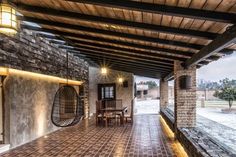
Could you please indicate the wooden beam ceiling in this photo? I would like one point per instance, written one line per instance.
(106, 32)
(117, 22)
(110, 60)
(164, 9)
(114, 49)
(227, 38)
(127, 57)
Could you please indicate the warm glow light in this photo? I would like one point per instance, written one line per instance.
(8, 21)
(176, 146)
(120, 80)
(7, 71)
(104, 71)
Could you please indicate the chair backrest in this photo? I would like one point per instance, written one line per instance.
(98, 106)
(110, 103)
(132, 108)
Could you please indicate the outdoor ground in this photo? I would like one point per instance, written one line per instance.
(146, 107)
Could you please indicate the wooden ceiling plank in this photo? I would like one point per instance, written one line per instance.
(111, 33)
(165, 9)
(118, 22)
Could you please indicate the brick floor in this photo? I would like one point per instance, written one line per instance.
(146, 137)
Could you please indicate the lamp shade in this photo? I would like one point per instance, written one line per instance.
(8, 21)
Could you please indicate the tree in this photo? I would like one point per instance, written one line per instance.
(151, 84)
(227, 91)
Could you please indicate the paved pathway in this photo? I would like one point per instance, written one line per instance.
(147, 107)
(146, 137)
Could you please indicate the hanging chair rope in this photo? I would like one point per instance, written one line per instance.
(67, 109)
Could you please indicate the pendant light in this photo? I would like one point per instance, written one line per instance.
(8, 20)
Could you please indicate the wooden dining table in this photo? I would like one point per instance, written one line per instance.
(122, 110)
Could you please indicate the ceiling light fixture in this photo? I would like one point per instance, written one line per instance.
(8, 21)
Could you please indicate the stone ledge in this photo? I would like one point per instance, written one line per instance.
(196, 142)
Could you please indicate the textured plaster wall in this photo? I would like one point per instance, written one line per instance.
(126, 94)
(28, 102)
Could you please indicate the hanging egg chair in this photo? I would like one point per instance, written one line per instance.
(67, 109)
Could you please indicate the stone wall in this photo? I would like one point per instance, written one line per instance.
(126, 94)
(28, 99)
(185, 99)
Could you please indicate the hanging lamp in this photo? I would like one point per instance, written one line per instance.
(67, 109)
(8, 20)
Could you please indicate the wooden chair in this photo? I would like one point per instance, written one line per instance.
(131, 115)
(110, 116)
(98, 112)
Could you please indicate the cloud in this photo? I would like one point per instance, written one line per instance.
(218, 70)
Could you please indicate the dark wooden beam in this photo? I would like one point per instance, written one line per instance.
(127, 66)
(131, 45)
(131, 61)
(109, 33)
(169, 77)
(222, 41)
(125, 57)
(116, 22)
(137, 72)
(162, 51)
(102, 32)
(164, 9)
(101, 47)
(120, 54)
(110, 61)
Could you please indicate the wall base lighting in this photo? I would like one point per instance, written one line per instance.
(7, 71)
(8, 21)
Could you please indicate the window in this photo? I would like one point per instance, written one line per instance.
(106, 91)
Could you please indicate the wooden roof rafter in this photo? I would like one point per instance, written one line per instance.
(164, 9)
(120, 60)
(142, 39)
(111, 21)
(106, 32)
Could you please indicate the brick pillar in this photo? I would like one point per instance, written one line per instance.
(185, 100)
(163, 94)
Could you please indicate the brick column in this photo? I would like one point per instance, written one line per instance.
(185, 100)
(163, 94)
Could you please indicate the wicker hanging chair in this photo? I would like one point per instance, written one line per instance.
(67, 109)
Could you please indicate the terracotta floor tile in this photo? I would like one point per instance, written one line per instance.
(146, 137)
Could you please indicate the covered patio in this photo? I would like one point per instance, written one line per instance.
(96, 47)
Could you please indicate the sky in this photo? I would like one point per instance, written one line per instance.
(218, 70)
(215, 71)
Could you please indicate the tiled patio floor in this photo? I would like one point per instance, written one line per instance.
(146, 137)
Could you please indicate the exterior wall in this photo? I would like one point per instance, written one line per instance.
(154, 93)
(95, 78)
(28, 99)
(185, 100)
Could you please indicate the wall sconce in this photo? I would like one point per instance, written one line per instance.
(120, 80)
(8, 21)
(104, 71)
